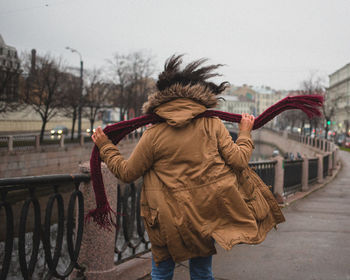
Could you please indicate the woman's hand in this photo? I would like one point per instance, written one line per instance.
(246, 123)
(99, 137)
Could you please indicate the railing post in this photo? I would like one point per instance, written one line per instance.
(81, 140)
(305, 174)
(336, 156)
(279, 179)
(10, 143)
(62, 141)
(97, 247)
(320, 169)
(37, 142)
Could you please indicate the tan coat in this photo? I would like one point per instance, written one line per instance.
(197, 184)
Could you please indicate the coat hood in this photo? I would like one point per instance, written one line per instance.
(179, 112)
(197, 93)
(179, 104)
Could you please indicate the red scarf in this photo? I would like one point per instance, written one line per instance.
(104, 215)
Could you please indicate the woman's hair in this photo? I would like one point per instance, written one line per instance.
(192, 74)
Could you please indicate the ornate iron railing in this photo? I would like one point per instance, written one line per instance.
(20, 196)
(292, 176)
(131, 237)
(28, 142)
(266, 171)
(313, 168)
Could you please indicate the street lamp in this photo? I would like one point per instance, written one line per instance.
(81, 88)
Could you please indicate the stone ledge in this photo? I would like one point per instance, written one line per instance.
(135, 268)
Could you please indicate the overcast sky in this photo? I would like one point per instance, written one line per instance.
(277, 43)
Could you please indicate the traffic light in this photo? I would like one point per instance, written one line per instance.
(328, 122)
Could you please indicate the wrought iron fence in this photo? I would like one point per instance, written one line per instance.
(313, 168)
(4, 141)
(23, 142)
(292, 176)
(325, 165)
(131, 237)
(39, 250)
(266, 171)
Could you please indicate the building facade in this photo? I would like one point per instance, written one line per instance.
(9, 72)
(266, 97)
(339, 92)
(236, 104)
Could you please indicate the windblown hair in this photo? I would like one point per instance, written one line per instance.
(192, 74)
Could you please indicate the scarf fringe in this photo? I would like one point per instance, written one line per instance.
(103, 216)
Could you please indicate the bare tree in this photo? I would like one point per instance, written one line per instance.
(131, 79)
(71, 98)
(119, 67)
(43, 87)
(315, 85)
(9, 87)
(141, 84)
(310, 86)
(97, 95)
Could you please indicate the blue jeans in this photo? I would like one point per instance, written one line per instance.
(200, 269)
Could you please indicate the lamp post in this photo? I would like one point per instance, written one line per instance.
(81, 88)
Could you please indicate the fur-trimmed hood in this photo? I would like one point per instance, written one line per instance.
(197, 93)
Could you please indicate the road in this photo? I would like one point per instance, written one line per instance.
(313, 243)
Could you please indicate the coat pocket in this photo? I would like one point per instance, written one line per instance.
(152, 225)
(150, 215)
(258, 205)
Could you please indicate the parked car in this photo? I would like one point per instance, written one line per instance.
(340, 139)
(59, 130)
(88, 131)
(347, 142)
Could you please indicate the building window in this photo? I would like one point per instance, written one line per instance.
(1, 50)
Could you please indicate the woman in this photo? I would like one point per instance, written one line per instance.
(193, 193)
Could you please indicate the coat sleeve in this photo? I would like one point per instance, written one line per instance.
(237, 155)
(131, 169)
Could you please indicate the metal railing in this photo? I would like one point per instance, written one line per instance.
(313, 169)
(131, 237)
(4, 141)
(27, 142)
(292, 176)
(266, 171)
(39, 250)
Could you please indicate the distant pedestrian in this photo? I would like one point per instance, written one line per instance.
(197, 188)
